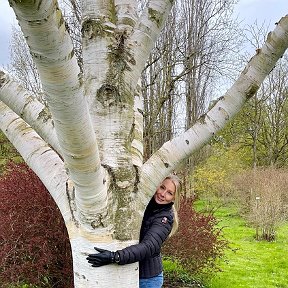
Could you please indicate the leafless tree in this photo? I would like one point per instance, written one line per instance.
(160, 90)
(273, 134)
(267, 113)
(185, 65)
(22, 66)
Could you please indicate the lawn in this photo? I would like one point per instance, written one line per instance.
(249, 263)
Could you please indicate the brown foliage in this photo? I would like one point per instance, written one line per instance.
(33, 238)
(198, 242)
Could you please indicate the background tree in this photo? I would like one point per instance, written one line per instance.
(159, 89)
(90, 157)
(201, 40)
(196, 46)
(273, 134)
(22, 66)
(261, 128)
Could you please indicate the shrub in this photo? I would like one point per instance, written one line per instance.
(198, 242)
(34, 242)
(7, 151)
(212, 179)
(262, 195)
(176, 276)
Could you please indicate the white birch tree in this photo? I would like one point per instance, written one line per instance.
(87, 147)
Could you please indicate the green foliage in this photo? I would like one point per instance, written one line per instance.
(261, 128)
(212, 178)
(176, 276)
(7, 153)
(237, 131)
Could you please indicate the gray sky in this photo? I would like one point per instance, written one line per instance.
(249, 11)
(7, 18)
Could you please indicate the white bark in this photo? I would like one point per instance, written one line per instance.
(97, 27)
(121, 276)
(144, 36)
(39, 156)
(126, 13)
(137, 142)
(29, 108)
(51, 47)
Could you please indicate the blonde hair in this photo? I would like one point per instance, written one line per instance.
(176, 206)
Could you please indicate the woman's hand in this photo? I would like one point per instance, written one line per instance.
(104, 257)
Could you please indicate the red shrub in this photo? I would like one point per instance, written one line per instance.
(33, 238)
(198, 242)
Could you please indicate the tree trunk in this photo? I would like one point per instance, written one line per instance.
(107, 276)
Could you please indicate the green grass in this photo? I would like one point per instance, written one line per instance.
(249, 263)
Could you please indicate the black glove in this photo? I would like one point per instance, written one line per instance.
(104, 257)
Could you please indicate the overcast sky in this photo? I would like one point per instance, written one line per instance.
(249, 11)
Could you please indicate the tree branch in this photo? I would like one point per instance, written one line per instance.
(29, 109)
(166, 159)
(39, 156)
(51, 47)
(126, 13)
(145, 34)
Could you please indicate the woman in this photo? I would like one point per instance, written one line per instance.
(160, 220)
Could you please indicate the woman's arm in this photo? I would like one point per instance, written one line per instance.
(151, 242)
(149, 246)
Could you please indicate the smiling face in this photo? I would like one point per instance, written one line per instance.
(165, 193)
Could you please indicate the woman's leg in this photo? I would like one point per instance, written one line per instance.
(153, 282)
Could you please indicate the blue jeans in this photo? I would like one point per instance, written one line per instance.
(153, 282)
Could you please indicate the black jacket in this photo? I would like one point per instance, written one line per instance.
(156, 226)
